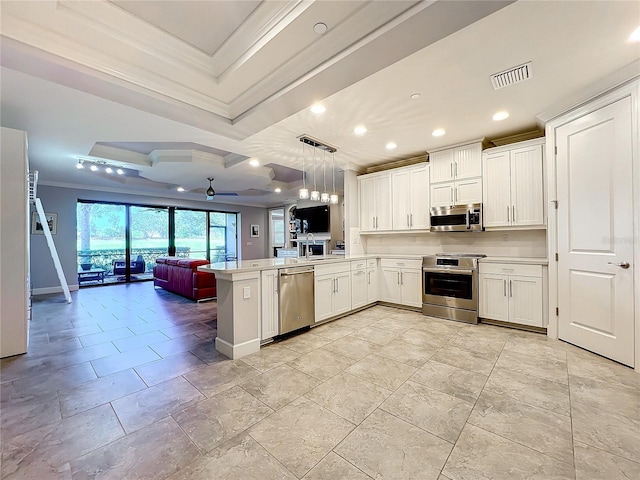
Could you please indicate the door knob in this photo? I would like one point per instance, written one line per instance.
(624, 265)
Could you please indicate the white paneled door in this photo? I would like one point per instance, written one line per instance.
(595, 231)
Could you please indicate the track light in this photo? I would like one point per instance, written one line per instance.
(94, 168)
(79, 165)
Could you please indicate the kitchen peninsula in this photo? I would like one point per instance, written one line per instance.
(248, 293)
(249, 298)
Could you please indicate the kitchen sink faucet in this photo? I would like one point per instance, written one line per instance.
(314, 242)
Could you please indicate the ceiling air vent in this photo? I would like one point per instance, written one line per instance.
(513, 75)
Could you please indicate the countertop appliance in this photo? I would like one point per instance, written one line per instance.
(450, 286)
(296, 298)
(457, 218)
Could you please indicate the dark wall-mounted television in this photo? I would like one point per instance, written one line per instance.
(313, 219)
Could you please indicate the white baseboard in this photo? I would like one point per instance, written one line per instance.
(239, 350)
(48, 290)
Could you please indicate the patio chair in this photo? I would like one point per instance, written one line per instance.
(137, 266)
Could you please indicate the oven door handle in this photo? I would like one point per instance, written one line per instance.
(448, 270)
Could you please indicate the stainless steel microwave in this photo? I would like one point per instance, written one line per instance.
(457, 218)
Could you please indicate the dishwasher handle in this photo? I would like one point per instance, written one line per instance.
(284, 273)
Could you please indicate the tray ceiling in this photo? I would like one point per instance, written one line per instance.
(183, 90)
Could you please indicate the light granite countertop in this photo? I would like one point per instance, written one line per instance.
(284, 262)
(519, 260)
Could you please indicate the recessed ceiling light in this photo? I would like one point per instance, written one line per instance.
(635, 35)
(180, 189)
(360, 130)
(254, 162)
(320, 28)
(414, 96)
(108, 170)
(318, 108)
(120, 171)
(390, 146)
(438, 132)
(94, 168)
(501, 115)
(278, 190)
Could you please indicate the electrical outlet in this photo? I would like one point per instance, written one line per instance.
(246, 292)
(505, 237)
(249, 243)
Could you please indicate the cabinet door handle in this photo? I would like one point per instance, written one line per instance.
(455, 170)
(513, 213)
(505, 287)
(511, 288)
(408, 220)
(451, 195)
(398, 280)
(508, 214)
(401, 279)
(451, 170)
(369, 278)
(456, 195)
(411, 219)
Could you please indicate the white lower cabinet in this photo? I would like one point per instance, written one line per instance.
(332, 290)
(364, 282)
(269, 304)
(359, 284)
(373, 281)
(511, 293)
(401, 282)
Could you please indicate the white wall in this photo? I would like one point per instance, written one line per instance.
(63, 201)
(521, 243)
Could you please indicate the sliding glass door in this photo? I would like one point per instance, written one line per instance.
(101, 241)
(149, 239)
(120, 242)
(191, 233)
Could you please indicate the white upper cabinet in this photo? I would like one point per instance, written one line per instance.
(456, 163)
(527, 186)
(467, 161)
(401, 193)
(468, 191)
(410, 198)
(513, 188)
(497, 188)
(375, 202)
(456, 175)
(441, 166)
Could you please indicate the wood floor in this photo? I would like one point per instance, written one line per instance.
(125, 383)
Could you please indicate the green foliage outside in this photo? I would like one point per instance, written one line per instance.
(101, 234)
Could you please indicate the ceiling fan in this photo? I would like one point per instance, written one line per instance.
(210, 193)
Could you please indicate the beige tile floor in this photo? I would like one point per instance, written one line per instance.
(125, 383)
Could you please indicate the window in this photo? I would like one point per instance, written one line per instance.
(120, 242)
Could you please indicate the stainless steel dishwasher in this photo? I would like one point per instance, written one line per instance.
(297, 307)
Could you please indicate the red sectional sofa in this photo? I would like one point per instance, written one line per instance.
(180, 275)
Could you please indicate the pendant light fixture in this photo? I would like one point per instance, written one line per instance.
(303, 194)
(210, 191)
(333, 199)
(315, 194)
(324, 197)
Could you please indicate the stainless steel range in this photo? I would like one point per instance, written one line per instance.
(450, 286)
